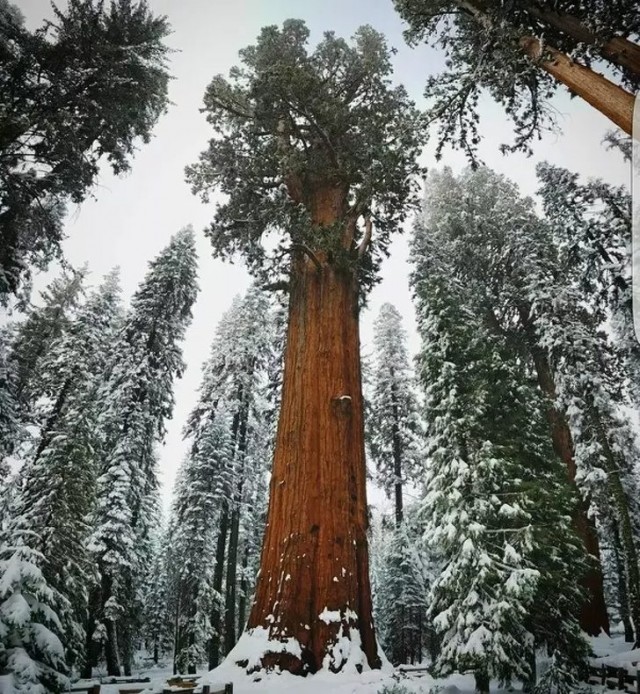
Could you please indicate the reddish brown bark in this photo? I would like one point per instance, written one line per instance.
(608, 98)
(617, 49)
(593, 617)
(314, 555)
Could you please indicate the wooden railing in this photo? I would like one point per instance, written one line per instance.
(619, 679)
(186, 685)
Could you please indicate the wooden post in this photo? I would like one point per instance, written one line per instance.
(604, 676)
(228, 688)
(206, 689)
(638, 680)
(622, 675)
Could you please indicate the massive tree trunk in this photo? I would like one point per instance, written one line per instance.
(313, 592)
(593, 617)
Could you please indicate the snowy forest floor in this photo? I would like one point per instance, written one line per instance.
(607, 651)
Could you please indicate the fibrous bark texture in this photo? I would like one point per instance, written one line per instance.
(313, 597)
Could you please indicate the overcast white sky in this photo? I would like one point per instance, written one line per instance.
(131, 218)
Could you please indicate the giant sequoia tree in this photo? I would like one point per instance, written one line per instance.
(318, 148)
(521, 52)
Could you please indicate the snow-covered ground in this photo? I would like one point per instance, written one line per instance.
(616, 653)
(609, 651)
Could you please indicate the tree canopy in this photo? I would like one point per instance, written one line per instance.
(88, 85)
(483, 44)
(291, 124)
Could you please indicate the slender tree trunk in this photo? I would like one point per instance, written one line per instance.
(91, 647)
(231, 586)
(611, 100)
(623, 593)
(176, 635)
(244, 587)
(111, 649)
(240, 433)
(112, 654)
(397, 453)
(482, 681)
(623, 517)
(314, 573)
(127, 652)
(218, 575)
(593, 616)
(191, 666)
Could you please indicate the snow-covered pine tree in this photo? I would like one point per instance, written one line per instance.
(402, 585)
(511, 272)
(591, 225)
(588, 381)
(158, 616)
(394, 426)
(497, 504)
(31, 649)
(202, 485)
(43, 325)
(137, 398)
(575, 293)
(10, 422)
(394, 437)
(56, 486)
(227, 458)
(87, 86)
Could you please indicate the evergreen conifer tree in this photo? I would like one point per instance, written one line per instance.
(510, 574)
(137, 398)
(87, 86)
(55, 493)
(229, 436)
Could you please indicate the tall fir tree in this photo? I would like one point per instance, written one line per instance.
(137, 399)
(395, 438)
(228, 431)
(395, 427)
(510, 579)
(44, 541)
(86, 86)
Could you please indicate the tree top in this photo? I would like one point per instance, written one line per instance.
(293, 128)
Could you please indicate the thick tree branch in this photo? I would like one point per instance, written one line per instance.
(308, 252)
(366, 239)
